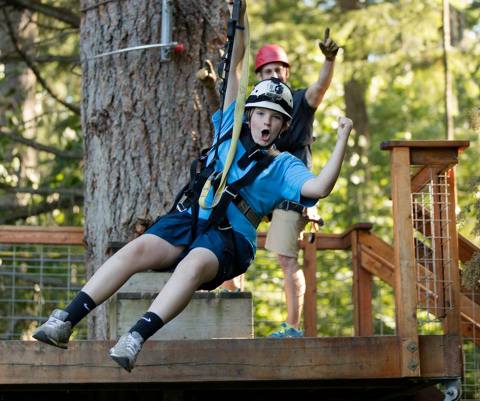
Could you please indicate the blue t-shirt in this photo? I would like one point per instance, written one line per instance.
(282, 179)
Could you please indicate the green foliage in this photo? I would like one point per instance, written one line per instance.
(471, 273)
(394, 50)
(31, 112)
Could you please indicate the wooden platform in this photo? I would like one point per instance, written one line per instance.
(209, 314)
(307, 365)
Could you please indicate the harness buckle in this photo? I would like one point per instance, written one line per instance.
(230, 193)
(225, 228)
(289, 205)
(180, 207)
(254, 153)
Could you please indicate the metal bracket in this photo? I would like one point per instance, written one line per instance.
(166, 38)
(166, 29)
(453, 390)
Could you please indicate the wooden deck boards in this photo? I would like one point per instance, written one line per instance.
(227, 361)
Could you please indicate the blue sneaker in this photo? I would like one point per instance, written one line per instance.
(286, 331)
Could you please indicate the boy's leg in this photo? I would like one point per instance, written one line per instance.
(143, 253)
(198, 267)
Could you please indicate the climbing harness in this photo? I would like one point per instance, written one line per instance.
(200, 172)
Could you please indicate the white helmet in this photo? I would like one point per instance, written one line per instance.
(272, 94)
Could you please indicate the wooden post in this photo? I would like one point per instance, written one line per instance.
(362, 291)
(452, 321)
(404, 257)
(310, 271)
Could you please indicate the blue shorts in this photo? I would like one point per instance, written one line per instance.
(232, 250)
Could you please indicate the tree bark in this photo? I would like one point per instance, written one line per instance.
(447, 73)
(143, 121)
(17, 98)
(355, 90)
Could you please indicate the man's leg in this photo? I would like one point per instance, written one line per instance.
(282, 238)
(294, 285)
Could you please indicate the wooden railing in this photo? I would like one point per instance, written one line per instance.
(371, 256)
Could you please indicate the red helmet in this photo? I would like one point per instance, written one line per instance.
(270, 54)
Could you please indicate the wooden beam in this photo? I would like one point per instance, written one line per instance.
(310, 300)
(439, 157)
(41, 235)
(466, 248)
(378, 267)
(378, 246)
(447, 361)
(460, 145)
(362, 292)
(470, 311)
(404, 259)
(423, 177)
(431, 153)
(342, 240)
(225, 360)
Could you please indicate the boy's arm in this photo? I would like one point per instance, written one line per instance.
(316, 91)
(323, 183)
(237, 58)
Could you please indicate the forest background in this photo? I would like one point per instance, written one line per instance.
(389, 78)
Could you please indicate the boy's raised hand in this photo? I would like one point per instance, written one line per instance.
(328, 46)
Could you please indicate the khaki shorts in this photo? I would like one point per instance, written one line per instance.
(284, 231)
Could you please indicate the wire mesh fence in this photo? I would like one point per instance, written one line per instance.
(434, 263)
(471, 350)
(34, 280)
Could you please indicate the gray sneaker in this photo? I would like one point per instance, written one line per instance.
(125, 351)
(55, 331)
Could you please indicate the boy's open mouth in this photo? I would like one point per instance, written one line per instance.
(265, 135)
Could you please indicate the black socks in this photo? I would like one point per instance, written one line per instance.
(80, 307)
(147, 325)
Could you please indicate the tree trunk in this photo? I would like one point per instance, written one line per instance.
(143, 120)
(17, 102)
(447, 73)
(17, 98)
(356, 108)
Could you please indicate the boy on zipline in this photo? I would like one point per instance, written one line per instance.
(209, 244)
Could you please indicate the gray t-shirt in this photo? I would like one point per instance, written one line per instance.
(299, 137)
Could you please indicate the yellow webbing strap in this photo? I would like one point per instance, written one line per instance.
(237, 126)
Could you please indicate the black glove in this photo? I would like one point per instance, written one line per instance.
(328, 46)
